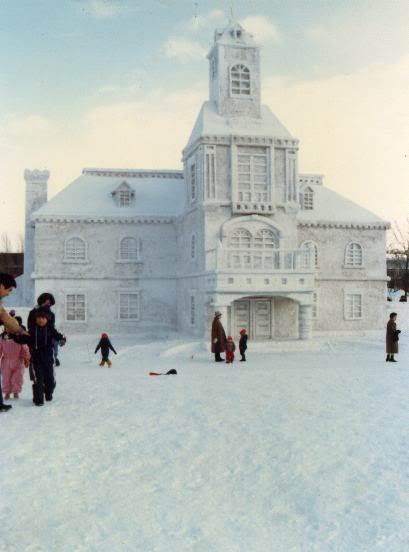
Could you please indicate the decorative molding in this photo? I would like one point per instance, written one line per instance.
(362, 226)
(103, 220)
(135, 173)
(310, 179)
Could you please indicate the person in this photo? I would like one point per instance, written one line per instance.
(45, 301)
(218, 337)
(230, 348)
(14, 357)
(243, 344)
(105, 345)
(7, 284)
(392, 338)
(40, 342)
(12, 313)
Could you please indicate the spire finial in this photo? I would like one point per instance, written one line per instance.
(232, 11)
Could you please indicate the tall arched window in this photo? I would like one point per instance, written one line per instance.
(240, 80)
(311, 259)
(239, 244)
(353, 254)
(308, 199)
(75, 249)
(128, 249)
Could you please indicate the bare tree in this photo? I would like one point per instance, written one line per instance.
(5, 243)
(20, 243)
(398, 249)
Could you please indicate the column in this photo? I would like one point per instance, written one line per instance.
(305, 321)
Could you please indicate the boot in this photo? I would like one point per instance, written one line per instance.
(109, 363)
(102, 363)
(16, 395)
(5, 407)
(392, 359)
(388, 358)
(57, 362)
(7, 396)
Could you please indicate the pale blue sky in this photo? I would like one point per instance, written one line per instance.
(79, 78)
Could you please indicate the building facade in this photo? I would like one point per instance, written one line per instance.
(238, 230)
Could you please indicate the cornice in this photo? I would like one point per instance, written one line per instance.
(362, 226)
(240, 139)
(134, 173)
(104, 220)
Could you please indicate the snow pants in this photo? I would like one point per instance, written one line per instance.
(12, 373)
(229, 356)
(44, 381)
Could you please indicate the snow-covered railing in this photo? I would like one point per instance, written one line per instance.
(265, 260)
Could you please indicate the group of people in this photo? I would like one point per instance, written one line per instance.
(222, 344)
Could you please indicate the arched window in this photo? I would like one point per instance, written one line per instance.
(308, 199)
(128, 249)
(75, 249)
(353, 254)
(193, 246)
(258, 251)
(311, 258)
(240, 80)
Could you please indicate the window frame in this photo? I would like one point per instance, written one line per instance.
(76, 260)
(349, 294)
(305, 245)
(238, 78)
(128, 292)
(346, 253)
(76, 293)
(137, 259)
(307, 199)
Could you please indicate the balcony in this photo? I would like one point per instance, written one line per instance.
(256, 270)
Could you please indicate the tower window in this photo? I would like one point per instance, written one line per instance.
(308, 199)
(240, 80)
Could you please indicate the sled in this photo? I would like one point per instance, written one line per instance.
(168, 373)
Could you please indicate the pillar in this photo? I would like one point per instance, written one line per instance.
(305, 321)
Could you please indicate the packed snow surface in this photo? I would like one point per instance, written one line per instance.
(303, 450)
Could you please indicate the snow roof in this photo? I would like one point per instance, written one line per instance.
(157, 193)
(209, 122)
(331, 207)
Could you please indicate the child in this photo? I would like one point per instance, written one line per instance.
(243, 344)
(40, 342)
(230, 348)
(13, 358)
(104, 344)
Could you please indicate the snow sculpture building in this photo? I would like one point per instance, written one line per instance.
(238, 230)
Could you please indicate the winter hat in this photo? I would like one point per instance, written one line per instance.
(229, 338)
(243, 331)
(104, 335)
(218, 314)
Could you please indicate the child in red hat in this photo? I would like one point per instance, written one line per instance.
(105, 345)
(230, 348)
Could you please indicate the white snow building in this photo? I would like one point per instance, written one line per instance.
(238, 230)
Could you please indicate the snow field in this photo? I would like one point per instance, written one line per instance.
(294, 451)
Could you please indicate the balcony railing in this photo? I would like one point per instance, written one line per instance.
(260, 260)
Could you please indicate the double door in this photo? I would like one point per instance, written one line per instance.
(256, 316)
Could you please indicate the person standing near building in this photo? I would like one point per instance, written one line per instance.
(45, 301)
(392, 338)
(218, 337)
(7, 284)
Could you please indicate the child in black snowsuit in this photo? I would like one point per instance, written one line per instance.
(243, 344)
(105, 345)
(40, 342)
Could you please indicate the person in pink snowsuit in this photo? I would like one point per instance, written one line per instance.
(13, 359)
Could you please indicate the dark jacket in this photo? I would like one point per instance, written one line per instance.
(40, 342)
(31, 320)
(243, 342)
(392, 336)
(104, 344)
(219, 335)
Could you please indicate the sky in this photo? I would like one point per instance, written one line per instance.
(119, 83)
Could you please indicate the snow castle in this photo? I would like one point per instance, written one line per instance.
(238, 230)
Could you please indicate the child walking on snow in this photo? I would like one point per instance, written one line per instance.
(105, 345)
(230, 348)
(243, 344)
(14, 357)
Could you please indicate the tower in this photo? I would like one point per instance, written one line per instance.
(36, 196)
(234, 73)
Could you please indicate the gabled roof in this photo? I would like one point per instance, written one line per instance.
(157, 193)
(210, 123)
(331, 207)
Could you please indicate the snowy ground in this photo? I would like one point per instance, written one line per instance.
(295, 451)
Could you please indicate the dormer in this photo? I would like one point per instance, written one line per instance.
(234, 73)
(124, 195)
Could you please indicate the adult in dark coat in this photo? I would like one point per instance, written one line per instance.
(392, 338)
(218, 337)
